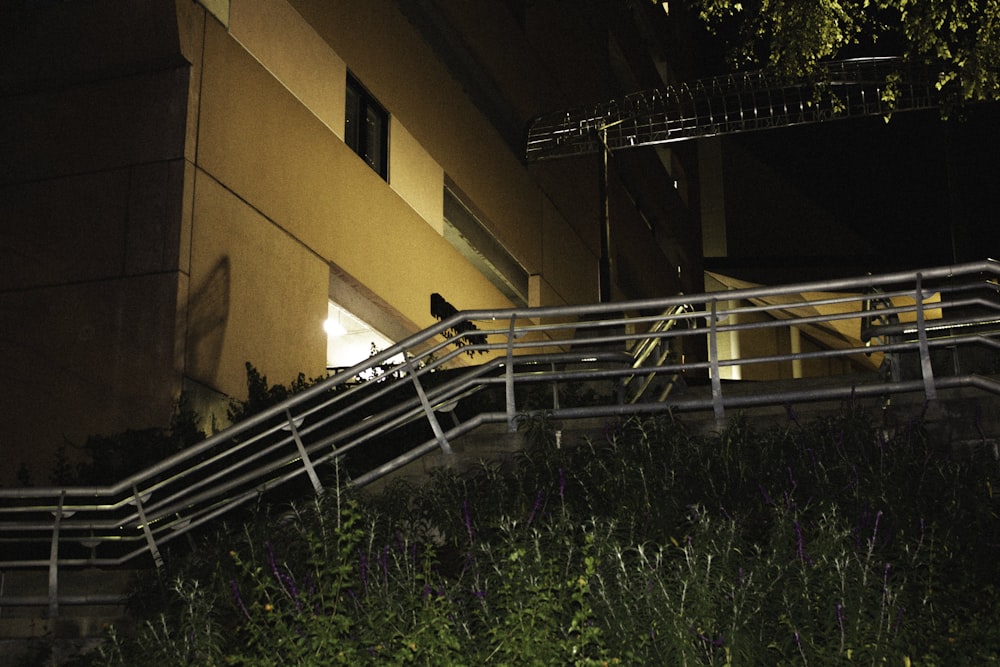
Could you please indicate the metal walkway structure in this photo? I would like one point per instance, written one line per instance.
(915, 333)
(738, 102)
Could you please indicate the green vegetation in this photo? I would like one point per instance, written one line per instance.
(960, 38)
(830, 542)
(105, 459)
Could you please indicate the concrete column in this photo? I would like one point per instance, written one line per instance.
(796, 344)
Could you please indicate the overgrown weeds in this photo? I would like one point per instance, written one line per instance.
(819, 543)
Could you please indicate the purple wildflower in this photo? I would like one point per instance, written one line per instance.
(284, 579)
(383, 562)
(238, 598)
(790, 414)
(271, 560)
(800, 544)
(467, 518)
(289, 584)
(538, 504)
(718, 641)
(363, 568)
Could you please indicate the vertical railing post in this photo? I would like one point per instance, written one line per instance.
(555, 389)
(604, 269)
(713, 359)
(428, 410)
(54, 559)
(306, 461)
(509, 380)
(153, 550)
(927, 371)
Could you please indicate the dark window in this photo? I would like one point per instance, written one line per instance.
(366, 127)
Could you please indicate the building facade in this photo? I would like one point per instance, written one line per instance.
(190, 186)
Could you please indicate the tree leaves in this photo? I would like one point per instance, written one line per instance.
(961, 38)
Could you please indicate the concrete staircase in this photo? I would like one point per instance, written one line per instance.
(31, 635)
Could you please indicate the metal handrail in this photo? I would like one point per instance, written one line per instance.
(529, 360)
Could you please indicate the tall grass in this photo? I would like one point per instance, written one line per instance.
(827, 542)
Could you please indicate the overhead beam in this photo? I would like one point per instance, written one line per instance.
(730, 103)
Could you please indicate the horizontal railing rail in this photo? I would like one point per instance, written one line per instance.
(930, 328)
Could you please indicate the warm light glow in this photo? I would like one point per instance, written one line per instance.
(349, 340)
(333, 327)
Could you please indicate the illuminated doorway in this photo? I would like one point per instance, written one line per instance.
(350, 340)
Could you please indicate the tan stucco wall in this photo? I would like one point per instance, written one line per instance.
(415, 176)
(436, 130)
(303, 186)
(190, 196)
(277, 36)
(289, 48)
(256, 295)
(416, 88)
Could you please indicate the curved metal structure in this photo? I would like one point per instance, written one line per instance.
(738, 102)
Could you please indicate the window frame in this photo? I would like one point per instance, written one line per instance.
(359, 138)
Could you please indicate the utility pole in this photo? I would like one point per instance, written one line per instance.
(604, 289)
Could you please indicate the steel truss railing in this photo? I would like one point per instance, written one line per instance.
(738, 102)
(530, 361)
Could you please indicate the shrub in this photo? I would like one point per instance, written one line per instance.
(818, 543)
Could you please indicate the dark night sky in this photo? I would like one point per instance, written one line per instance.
(899, 184)
(904, 184)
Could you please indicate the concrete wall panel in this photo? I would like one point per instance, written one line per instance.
(415, 176)
(256, 294)
(294, 54)
(94, 226)
(260, 142)
(416, 88)
(60, 43)
(570, 269)
(85, 359)
(64, 230)
(96, 126)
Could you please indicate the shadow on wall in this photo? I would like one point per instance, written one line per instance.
(208, 313)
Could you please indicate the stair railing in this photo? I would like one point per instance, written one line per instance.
(635, 386)
(568, 363)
